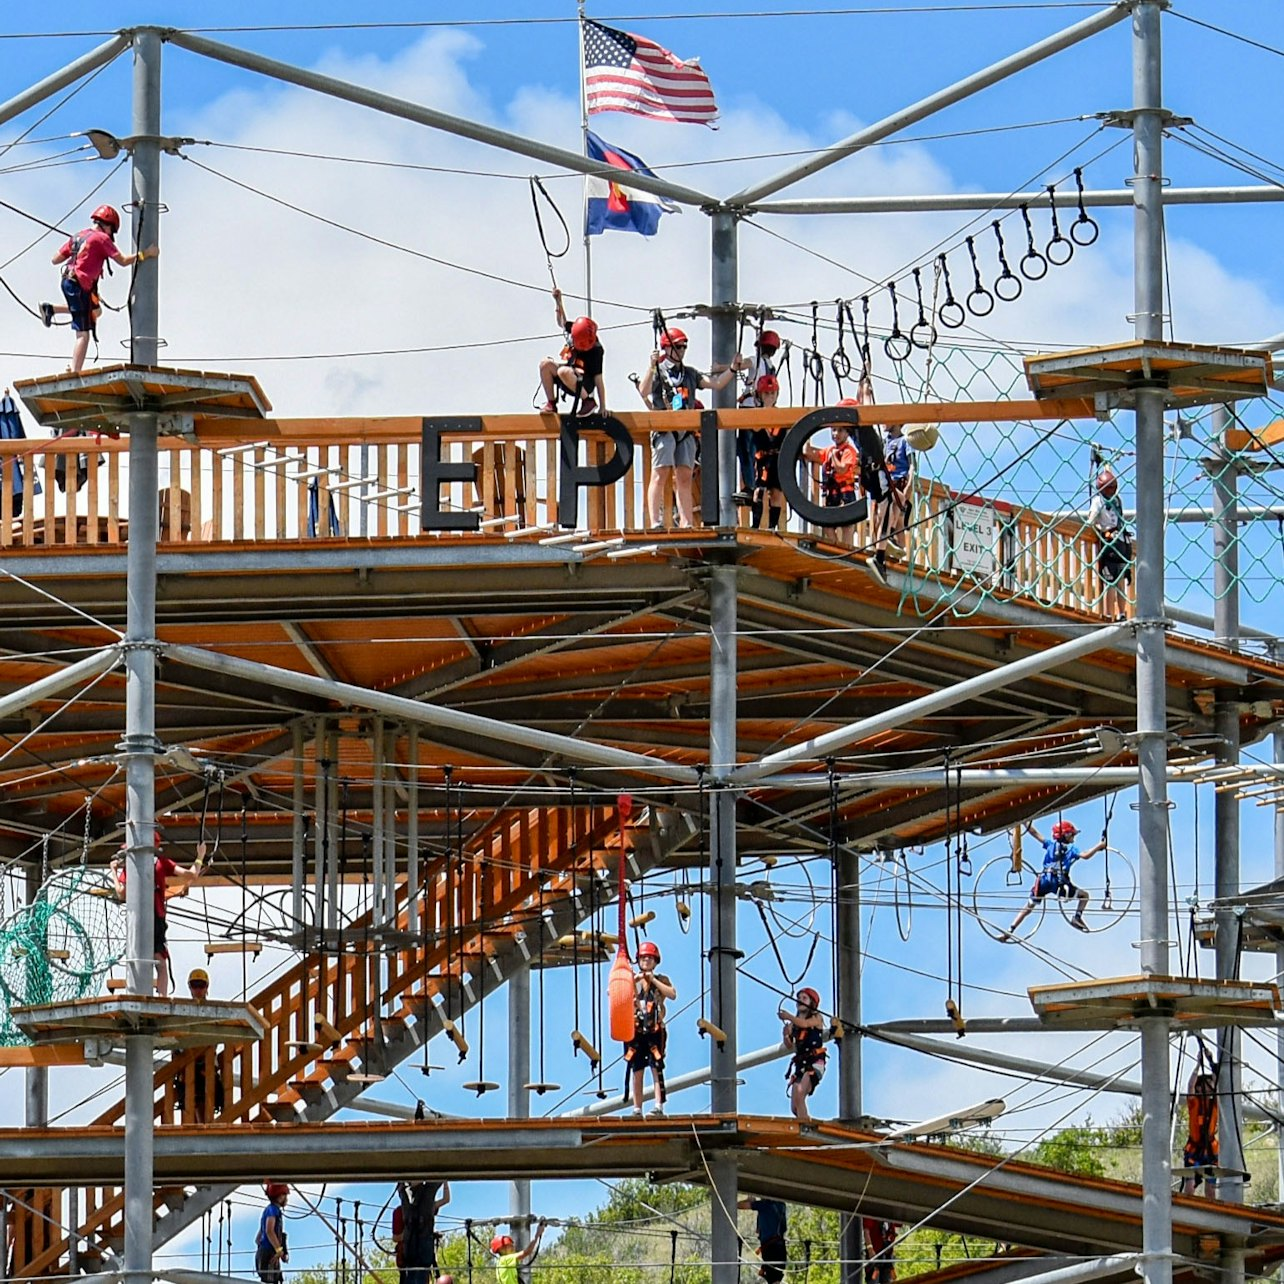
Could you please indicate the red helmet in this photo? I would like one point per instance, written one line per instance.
(1063, 831)
(649, 950)
(671, 336)
(767, 383)
(501, 1244)
(276, 1190)
(768, 340)
(809, 996)
(583, 333)
(1107, 483)
(106, 214)
(849, 401)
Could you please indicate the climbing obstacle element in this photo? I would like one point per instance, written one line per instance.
(59, 947)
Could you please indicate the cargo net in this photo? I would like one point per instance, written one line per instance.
(60, 946)
(1002, 509)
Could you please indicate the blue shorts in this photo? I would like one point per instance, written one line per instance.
(80, 303)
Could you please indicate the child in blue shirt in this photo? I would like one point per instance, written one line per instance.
(1059, 856)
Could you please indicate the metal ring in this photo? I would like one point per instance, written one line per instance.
(1055, 258)
(892, 345)
(951, 314)
(926, 327)
(1032, 257)
(1085, 221)
(976, 309)
(841, 364)
(999, 287)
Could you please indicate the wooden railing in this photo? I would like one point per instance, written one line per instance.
(320, 490)
(471, 909)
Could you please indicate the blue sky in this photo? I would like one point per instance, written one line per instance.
(242, 278)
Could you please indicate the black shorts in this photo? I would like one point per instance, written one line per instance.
(160, 935)
(267, 1266)
(775, 1257)
(769, 472)
(1114, 562)
(645, 1050)
(1045, 886)
(812, 1072)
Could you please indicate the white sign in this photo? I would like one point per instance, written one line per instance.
(974, 539)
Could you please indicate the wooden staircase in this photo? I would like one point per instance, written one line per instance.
(364, 1009)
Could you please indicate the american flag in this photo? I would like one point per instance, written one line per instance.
(629, 73)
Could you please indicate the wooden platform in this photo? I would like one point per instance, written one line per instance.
(1189, 374)
(176, 1023)
(1188, 1002)
(104, 398)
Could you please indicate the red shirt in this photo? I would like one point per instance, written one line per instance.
(842, 462)
(95, 249)
(164, 868)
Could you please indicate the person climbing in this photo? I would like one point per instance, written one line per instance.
(804, 1034)
(1200, 1151)
(1059, 855)
(414, 1228)
(839, 471)
(1114, 545)
(670, 384)
(198, 987)
(647, 1047)
(880, 1249)
(171, 879)
(766, 457)
(85, 255)
(270, 1246)
(892, 512)
(577, 373)
(767, 344)
(509, 1259)
(771, 1227)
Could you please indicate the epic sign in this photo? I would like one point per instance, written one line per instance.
(435, 472)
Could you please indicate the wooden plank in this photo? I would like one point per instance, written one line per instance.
(50, 1054)
(113, 498)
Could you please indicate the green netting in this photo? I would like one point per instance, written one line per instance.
(60, 946)
(1002, 508)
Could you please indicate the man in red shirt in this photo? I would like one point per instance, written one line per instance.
(183, 877)
(85, 255)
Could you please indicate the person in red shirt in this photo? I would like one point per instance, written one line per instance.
(172, 879)
(85, 255)
(839, 472)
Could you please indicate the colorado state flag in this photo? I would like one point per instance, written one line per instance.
(612, 205)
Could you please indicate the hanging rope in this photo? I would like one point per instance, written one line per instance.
(537, 191)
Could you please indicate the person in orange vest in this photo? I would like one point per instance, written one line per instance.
(577, 373)
(651, 989)
(839, 471)
(804, 1034)
(1200, 1150)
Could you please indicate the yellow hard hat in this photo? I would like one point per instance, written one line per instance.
(198, 974)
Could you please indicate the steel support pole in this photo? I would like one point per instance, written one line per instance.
(36, 1078)
(1152, 804)
(140, 743)
(1225, 518)
(62, 78)
(847, 1006)
(1278, 739)
(724, 1098)
(412, 831)
(519, 1097)
(724, 296)
(296, 829)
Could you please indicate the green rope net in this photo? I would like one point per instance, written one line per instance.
(60, 946)
(1002, 509)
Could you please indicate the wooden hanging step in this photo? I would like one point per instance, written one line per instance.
(252, 948)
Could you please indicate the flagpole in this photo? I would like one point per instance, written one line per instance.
(588, 251)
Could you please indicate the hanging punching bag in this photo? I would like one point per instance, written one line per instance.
(620, 989)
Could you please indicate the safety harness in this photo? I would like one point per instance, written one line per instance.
(809, 1049)
(649, 1032)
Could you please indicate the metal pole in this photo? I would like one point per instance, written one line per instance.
(412, 831)
(724, 296)
(1152, 805)
(847, 1005)
(320, 833)
(140, 743)
(1230, 1126)
(1225, 477)
(584, 133)
(724, 1098)
(404, 110)
(1278, 739)
(68, 75)
(333, 890)
(378, 904)
(820, 747)
(519, 1097)
(933, 103)
(36, 1077)
(296, 830)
